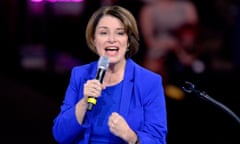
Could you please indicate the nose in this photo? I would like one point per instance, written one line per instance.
(111, 38)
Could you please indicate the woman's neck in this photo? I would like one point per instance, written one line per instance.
(114, 74)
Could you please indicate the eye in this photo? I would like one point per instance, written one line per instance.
(102, 33)
(121, 32)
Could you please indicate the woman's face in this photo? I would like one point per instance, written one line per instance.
(111, 40)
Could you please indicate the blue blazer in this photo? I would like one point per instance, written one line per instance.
(142, 105)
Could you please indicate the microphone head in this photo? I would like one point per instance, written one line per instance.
(188, 87)
(103, 62)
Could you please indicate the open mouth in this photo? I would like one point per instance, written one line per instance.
(111, 51)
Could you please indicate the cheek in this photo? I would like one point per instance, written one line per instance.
(99, 47)
(98, 42)
(124, 42)
(125, 45)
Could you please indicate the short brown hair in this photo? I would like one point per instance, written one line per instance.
(125, 16)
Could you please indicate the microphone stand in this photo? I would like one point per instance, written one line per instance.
(189, 88)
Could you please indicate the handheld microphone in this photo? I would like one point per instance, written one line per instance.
(103, 64)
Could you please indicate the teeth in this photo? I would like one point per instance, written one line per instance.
(112, 49)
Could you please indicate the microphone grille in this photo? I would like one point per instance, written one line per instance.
(103, 62)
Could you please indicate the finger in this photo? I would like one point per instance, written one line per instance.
(97, 88)
(93, 90)
(111, 125)
(115, 114)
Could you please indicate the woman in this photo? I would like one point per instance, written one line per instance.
(130, 101)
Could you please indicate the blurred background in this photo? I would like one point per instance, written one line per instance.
(41, 40)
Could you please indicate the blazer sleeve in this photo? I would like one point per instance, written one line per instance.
(65, 126)
(154, 129)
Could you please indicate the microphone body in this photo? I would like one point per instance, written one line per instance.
(103, 64)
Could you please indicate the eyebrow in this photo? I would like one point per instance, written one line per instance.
(105, 27)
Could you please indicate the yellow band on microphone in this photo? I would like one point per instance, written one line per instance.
(92, 100)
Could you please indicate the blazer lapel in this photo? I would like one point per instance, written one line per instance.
(127, 88)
